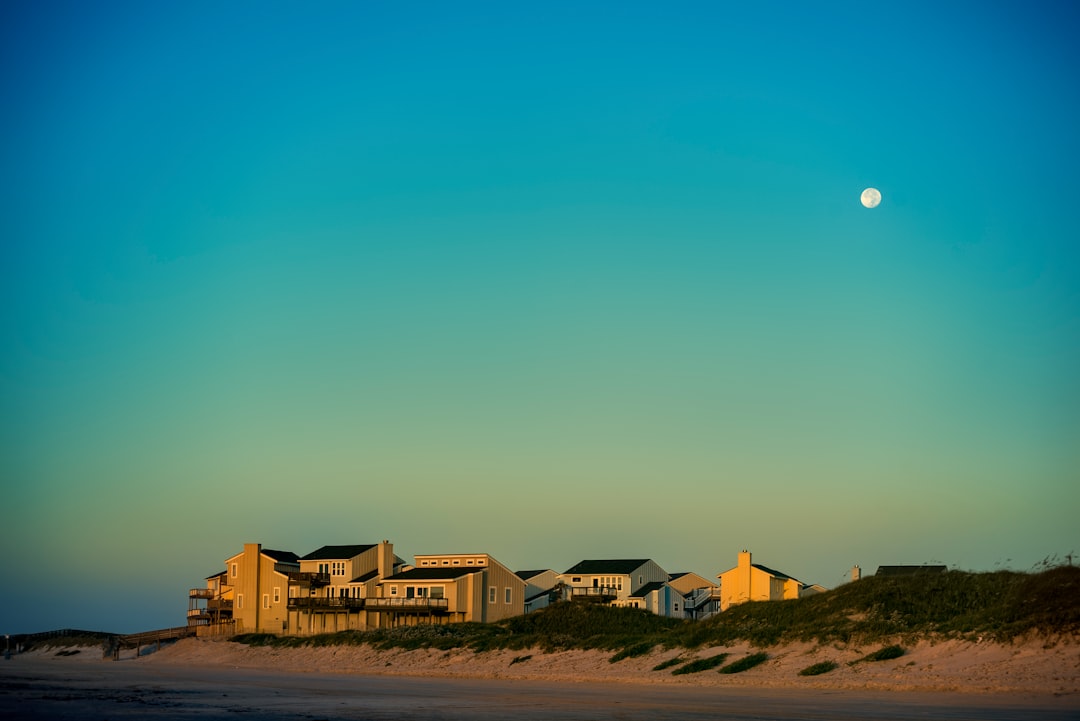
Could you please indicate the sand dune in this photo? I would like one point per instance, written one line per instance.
(1029, 667)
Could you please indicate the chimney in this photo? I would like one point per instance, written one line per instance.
(856, 572)
(386, 559)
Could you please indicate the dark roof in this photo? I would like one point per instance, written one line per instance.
(526, 575)
(328, 553)
(673, 576)
(647, 589)
(908, 570)
(434, 574)
(282, 556)
(366, 577)
(622, 566)
(768, 570)
(215, 575)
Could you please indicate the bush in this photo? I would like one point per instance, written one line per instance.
(746, 663)
(701, 664)
(819, 668)
(668, 664)
(638, 649)
(884, 654)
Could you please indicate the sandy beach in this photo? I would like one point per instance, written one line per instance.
(200, 679)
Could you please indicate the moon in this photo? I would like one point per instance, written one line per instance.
(871, 198)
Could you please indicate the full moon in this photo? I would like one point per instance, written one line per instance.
(871, 197)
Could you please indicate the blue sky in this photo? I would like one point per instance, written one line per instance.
(551, 282)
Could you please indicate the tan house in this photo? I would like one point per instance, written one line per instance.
(540, 587)
(330, 591)
(210, 608)
(753, 582)
(260, 579)
(701, 597)
(450, 588)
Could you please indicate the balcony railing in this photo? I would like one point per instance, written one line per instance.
(594, 591)
(200, 593)
(315, 579)
(219, 604)
(315, 603)
(408, 605)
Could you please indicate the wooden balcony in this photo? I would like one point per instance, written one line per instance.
(308, 577)
(200, 593)
(600, 594)
(419, 605)
(317, 604)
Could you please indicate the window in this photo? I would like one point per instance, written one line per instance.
(509, 595)
(446, 563)
(491, 594)
(393, 590)
(266, 600)
(240, 600)
(437, 591)
(338, 568)
(277, 594)
(233, 569)
(575, 579)
(457, 562)
(469, 562)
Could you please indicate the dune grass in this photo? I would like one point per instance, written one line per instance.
(701, 664)
(746, 663)
(997, 606)
(819, 668)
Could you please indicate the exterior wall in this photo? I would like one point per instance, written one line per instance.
(477, 590)
(747, 583)
(688, 582)
(254, 580)
(624, 584)
(539, 584)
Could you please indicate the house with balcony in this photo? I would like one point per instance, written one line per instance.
(331, 590)
(635, 583)
(701, 597)
(210, 607)
(449, 588)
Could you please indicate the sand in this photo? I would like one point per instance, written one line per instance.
(1029, 667)
(200, 680)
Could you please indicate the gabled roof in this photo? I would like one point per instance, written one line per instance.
(908, 570)
(334, 553)
(366, 577)
(680, 574)
(615, 566)
(215, 575)
(434, 574)
(526, 575)
(772, 572)
(281, 556)
(647, 589)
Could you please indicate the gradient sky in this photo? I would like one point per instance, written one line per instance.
(551, 281)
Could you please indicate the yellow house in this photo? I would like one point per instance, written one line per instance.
(449, 588)
(752, 582)
(260, 578)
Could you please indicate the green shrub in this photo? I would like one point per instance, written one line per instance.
(638, 649)
(520, 659)
(745, 663)
(668, 664)
(701, 664)
(819, 668)
(884, 654)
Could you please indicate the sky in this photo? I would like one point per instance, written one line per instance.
(551, 281)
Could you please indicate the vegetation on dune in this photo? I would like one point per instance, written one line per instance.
(745, 663)
(700, 664)
(884, 654)
(819, 668)
(996, 606)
